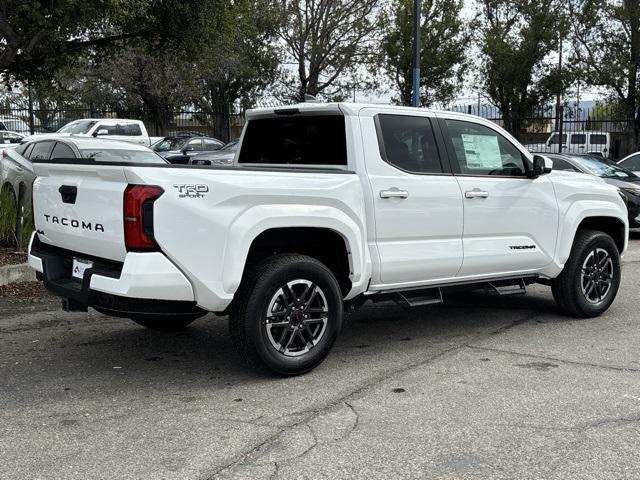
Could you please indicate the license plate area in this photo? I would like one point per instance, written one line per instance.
(79, 266)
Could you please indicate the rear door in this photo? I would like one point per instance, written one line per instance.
(416, 200)
(510, 220)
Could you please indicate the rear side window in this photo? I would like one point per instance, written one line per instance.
(598, 139)
(295, 140)
(632, 163)
(41, 151)
(195, 144)
(211, 144)
(123, 129)
(62, 151)
(555, 137)
(131, 129)
(407, 142)
(578, 139)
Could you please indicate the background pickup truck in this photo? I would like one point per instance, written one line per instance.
(325, 207)
(132, 131)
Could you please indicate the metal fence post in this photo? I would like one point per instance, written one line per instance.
(31, 126)
(22, 190)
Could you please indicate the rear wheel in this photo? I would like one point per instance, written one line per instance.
(164, 323)
(591, 277)
(286, 314)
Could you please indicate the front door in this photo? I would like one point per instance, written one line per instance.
(510, 220)
(416, 201)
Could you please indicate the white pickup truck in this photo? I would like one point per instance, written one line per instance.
(325, 207)
(125, 130)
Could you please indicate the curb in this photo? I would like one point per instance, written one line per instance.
(16, 273)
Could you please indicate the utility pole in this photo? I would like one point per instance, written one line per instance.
(415, 99)
(559, 112)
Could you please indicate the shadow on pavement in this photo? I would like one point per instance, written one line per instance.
(103, 347)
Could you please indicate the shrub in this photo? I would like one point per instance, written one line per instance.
(7, 219)
(8, 213)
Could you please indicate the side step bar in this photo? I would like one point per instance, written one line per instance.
(418, 298)
(506, 288)
(433, 295)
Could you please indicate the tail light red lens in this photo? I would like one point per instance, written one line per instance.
(138, 216)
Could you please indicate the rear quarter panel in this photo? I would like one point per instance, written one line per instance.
(208, 236)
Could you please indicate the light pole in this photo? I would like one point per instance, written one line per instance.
(415, 98)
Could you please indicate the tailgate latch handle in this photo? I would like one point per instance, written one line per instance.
(68, 193)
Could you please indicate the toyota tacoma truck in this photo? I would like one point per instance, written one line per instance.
(326, 206)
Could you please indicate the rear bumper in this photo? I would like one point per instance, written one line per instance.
(144, 276)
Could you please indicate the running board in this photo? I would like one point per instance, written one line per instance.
(418, 298)
(506, 288)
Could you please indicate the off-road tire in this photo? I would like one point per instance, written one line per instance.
(567, 287)
(249, 312)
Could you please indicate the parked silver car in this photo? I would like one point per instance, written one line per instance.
(17, 171)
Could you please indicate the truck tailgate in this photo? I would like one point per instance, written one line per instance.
(80, 208)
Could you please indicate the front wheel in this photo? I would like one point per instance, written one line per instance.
(286, 314)
(591, 277)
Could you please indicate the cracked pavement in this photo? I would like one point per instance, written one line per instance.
(481, 387)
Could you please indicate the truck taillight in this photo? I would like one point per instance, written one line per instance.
(138, 216)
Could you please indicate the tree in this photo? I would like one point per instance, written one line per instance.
(516, 37)
(326, 39)
(444, 39)
(150, 78)
(237, 61)
(606, 37)
(37, 37)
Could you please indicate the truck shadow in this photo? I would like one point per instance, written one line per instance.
(378, 336)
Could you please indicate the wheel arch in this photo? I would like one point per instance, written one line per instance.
(317, 233)
(608, 222)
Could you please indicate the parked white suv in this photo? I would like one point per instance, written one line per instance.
(125, 130)
(326, 206)
(587, 142)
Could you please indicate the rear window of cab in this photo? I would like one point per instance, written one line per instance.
(295, 140)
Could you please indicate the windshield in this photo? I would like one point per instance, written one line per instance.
(122, 156)
(78, 127)
(170, 144)
(603, 167)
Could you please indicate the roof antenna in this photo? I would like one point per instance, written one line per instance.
(310, 98)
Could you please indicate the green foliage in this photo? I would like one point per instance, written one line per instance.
(516, 37)
(7, 219)
(606, 35)
(444, 41)
(327, 41)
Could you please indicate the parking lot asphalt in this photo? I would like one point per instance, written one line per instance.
(481, 387)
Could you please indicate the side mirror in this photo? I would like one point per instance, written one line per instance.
(541, 166)
(102, 131)
(187, 149)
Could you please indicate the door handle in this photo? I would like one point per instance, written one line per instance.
(476, 193)
(394, 193)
